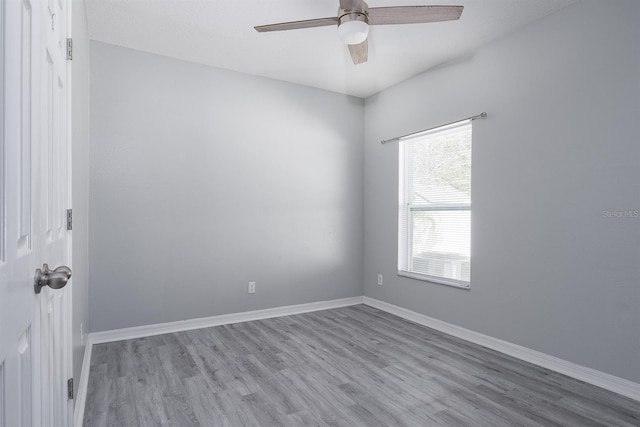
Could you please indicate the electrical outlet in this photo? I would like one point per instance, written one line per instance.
(380, 279)
(251, 289)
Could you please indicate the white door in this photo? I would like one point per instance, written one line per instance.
(35, 356)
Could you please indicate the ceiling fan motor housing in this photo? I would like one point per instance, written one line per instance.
(353, 27)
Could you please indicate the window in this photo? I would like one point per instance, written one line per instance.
(434, 241)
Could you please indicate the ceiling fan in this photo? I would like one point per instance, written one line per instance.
(355, 16)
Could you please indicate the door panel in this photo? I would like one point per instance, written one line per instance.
(25, 375)
(34, 188)
(2, 400)
(18, 306)
(55, 248)
(26, 79)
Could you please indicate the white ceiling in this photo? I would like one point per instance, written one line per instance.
(220, 34)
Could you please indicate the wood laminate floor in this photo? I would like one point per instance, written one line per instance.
(353, 366)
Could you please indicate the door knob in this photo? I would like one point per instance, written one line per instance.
(55, 279)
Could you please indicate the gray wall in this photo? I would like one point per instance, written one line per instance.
(80, 182)
(204, 179)
(560, 146)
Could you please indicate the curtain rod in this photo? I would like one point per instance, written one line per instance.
(479, 116)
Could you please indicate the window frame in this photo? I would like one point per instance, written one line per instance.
(406, 210)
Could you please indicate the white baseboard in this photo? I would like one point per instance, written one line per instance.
(81, 393)
(224, 319)
(609, 382)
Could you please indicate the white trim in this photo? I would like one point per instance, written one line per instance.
(437, 280)
(588, 375)
(83, 382)
(224, 319)
(607, 381)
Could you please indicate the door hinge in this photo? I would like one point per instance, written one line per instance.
(69, 219)
(69, 49)
(70, 388)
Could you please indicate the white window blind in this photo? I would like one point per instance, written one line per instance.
(435, 205)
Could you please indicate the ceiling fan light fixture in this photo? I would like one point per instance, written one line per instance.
(353, 28)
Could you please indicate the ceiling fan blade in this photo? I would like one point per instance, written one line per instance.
(294, 25)
(413, 14)
(359, 52)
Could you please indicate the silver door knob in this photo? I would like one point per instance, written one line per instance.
(55, 279)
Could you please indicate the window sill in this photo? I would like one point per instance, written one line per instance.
(436, 280)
